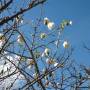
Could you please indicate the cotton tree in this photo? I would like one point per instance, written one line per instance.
(33, 53)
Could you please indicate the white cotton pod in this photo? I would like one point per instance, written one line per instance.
(34, 75)
(46, 21)
(47, 51)
(1, 68)
(5, 68)
(20, 39)
(48, 61)
(51, 25)
(65, 44)
(2, 40)
(70, 22)
(55, 64)
(1, 43)
(43, 35)
(43, 54)
(29, 67)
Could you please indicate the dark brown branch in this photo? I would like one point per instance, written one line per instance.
(31, 52)
(31, 5)
(5, 5)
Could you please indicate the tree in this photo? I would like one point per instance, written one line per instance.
(31, 54)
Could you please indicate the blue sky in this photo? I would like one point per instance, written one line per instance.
(79, 12)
